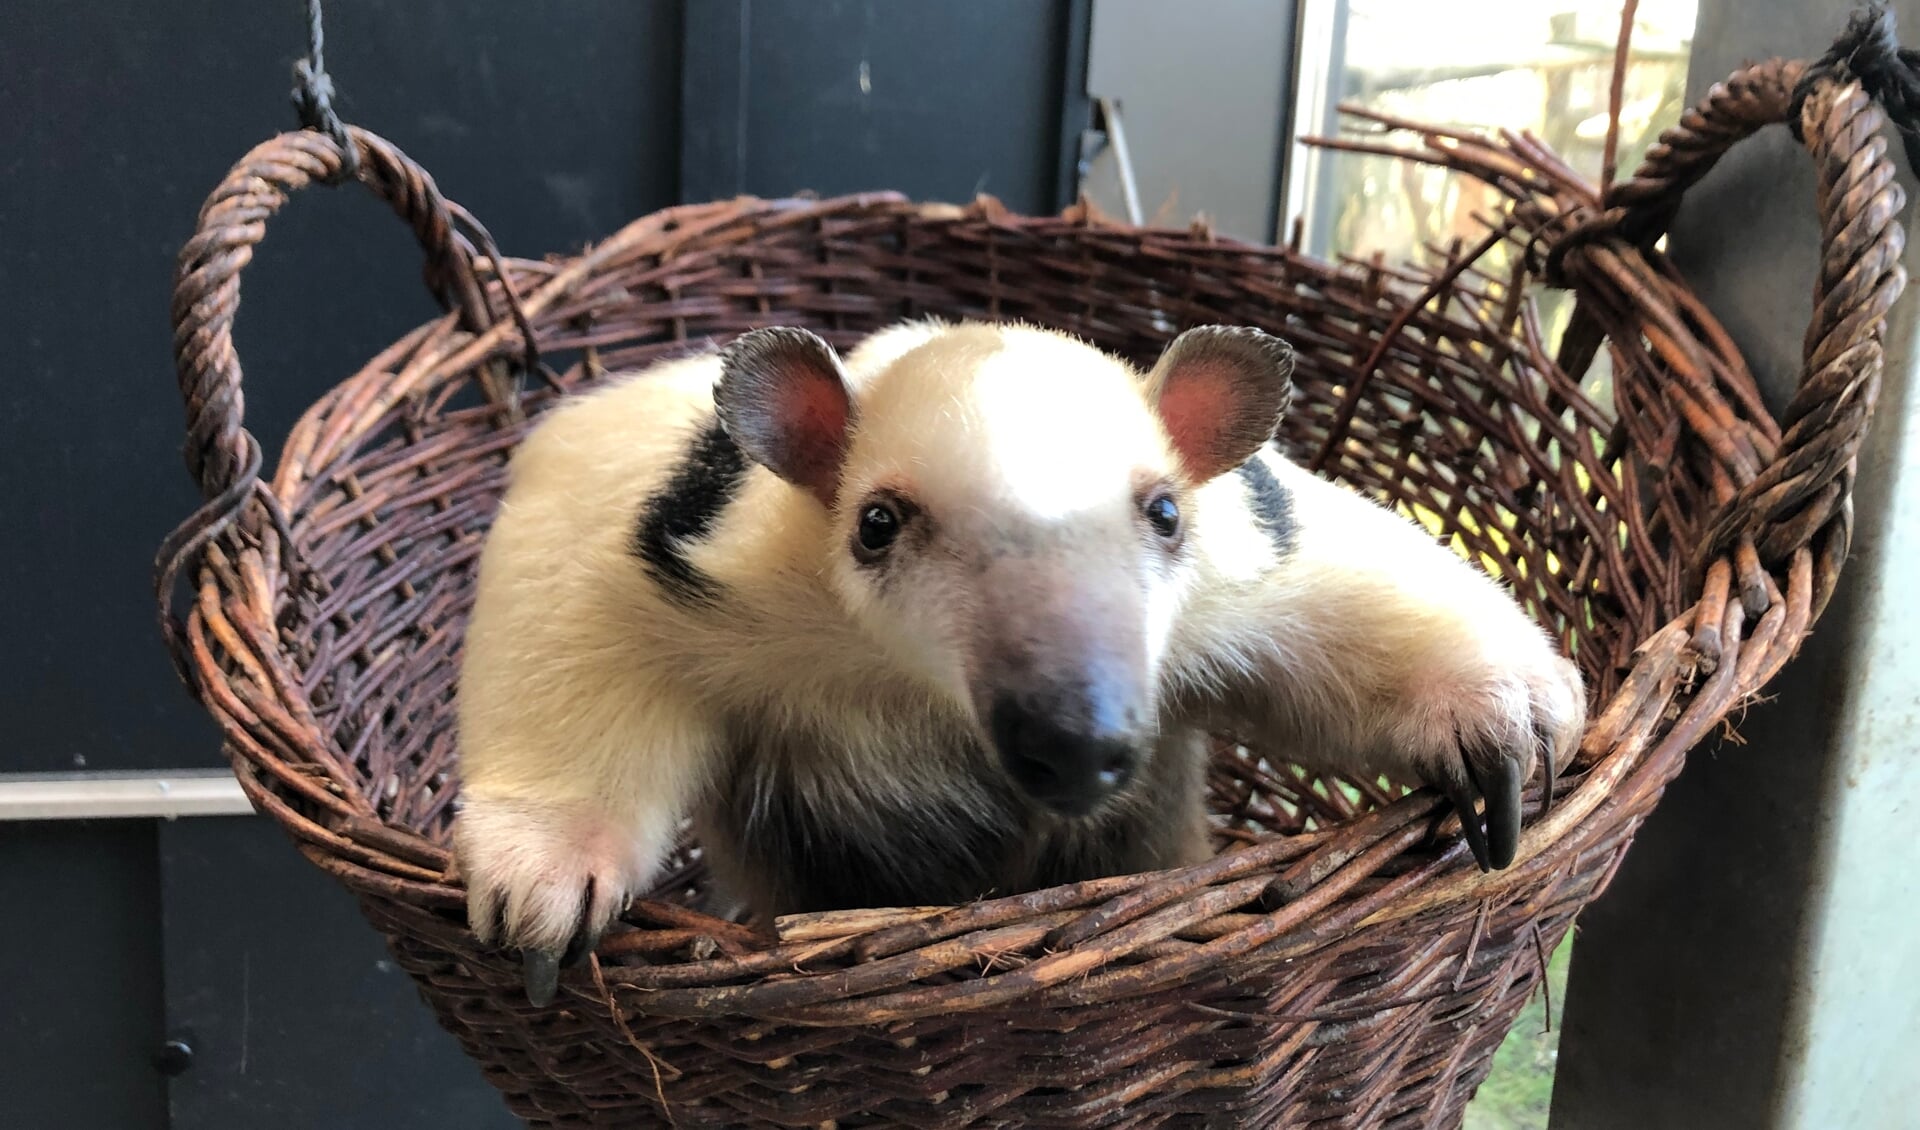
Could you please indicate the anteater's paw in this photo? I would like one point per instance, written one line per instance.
(1479, 721)
(546, 879)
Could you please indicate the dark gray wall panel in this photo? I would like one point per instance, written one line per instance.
(297, 1018)
(80, 1003)
(554, 123)
(939, 101)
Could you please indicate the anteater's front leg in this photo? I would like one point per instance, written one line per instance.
(1335, 632)
(580, 756)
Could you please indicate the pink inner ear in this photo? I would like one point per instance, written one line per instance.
(813, 427)
(1195, 408)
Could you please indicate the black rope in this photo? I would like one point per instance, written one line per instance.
(1890, 74)
(313, 95)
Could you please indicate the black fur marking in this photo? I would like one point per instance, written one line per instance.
(792, 837)
(820, 841)
(685, 510)
(1272, 505)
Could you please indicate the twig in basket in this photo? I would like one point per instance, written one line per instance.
(620, 1022)
(1546, 990)
(1350, 403)
(1616, 93)
(844, 923)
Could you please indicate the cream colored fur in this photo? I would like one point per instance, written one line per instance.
(593, 711)
(1371, 648)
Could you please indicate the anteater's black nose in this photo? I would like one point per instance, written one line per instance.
(1068, 766)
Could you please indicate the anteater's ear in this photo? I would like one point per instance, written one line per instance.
(783, 397)
(1220, 392)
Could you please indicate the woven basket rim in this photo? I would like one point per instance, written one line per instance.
(1775, 537)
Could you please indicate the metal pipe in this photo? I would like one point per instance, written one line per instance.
(121, 796)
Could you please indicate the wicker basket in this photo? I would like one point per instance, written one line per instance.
(1343, 963)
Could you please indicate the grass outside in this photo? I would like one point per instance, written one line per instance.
(1519, 1088)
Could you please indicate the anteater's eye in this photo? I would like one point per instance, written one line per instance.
(1163, 515)
(879, 525)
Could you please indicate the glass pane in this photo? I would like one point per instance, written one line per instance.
(1542, 67)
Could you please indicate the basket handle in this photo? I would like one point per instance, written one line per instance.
(1804, 490)
(206, 289)
(223, 457)
(1808, 484)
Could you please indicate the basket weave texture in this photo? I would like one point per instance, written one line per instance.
(1341, 962)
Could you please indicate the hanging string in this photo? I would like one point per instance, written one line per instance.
(313, 95)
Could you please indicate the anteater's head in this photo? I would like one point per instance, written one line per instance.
(1013, 515)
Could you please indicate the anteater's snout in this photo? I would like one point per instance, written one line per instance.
(1067, 758)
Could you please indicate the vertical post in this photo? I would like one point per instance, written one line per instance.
(1076, 105)
(1753, 964)
(1320, 55)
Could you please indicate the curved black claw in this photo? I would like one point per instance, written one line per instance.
(542, 971)
(1501, 786)
(1461, 794)
(586, 936)
(541, 968)
(584, 941)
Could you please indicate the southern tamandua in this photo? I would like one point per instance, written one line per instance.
(947, 620)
